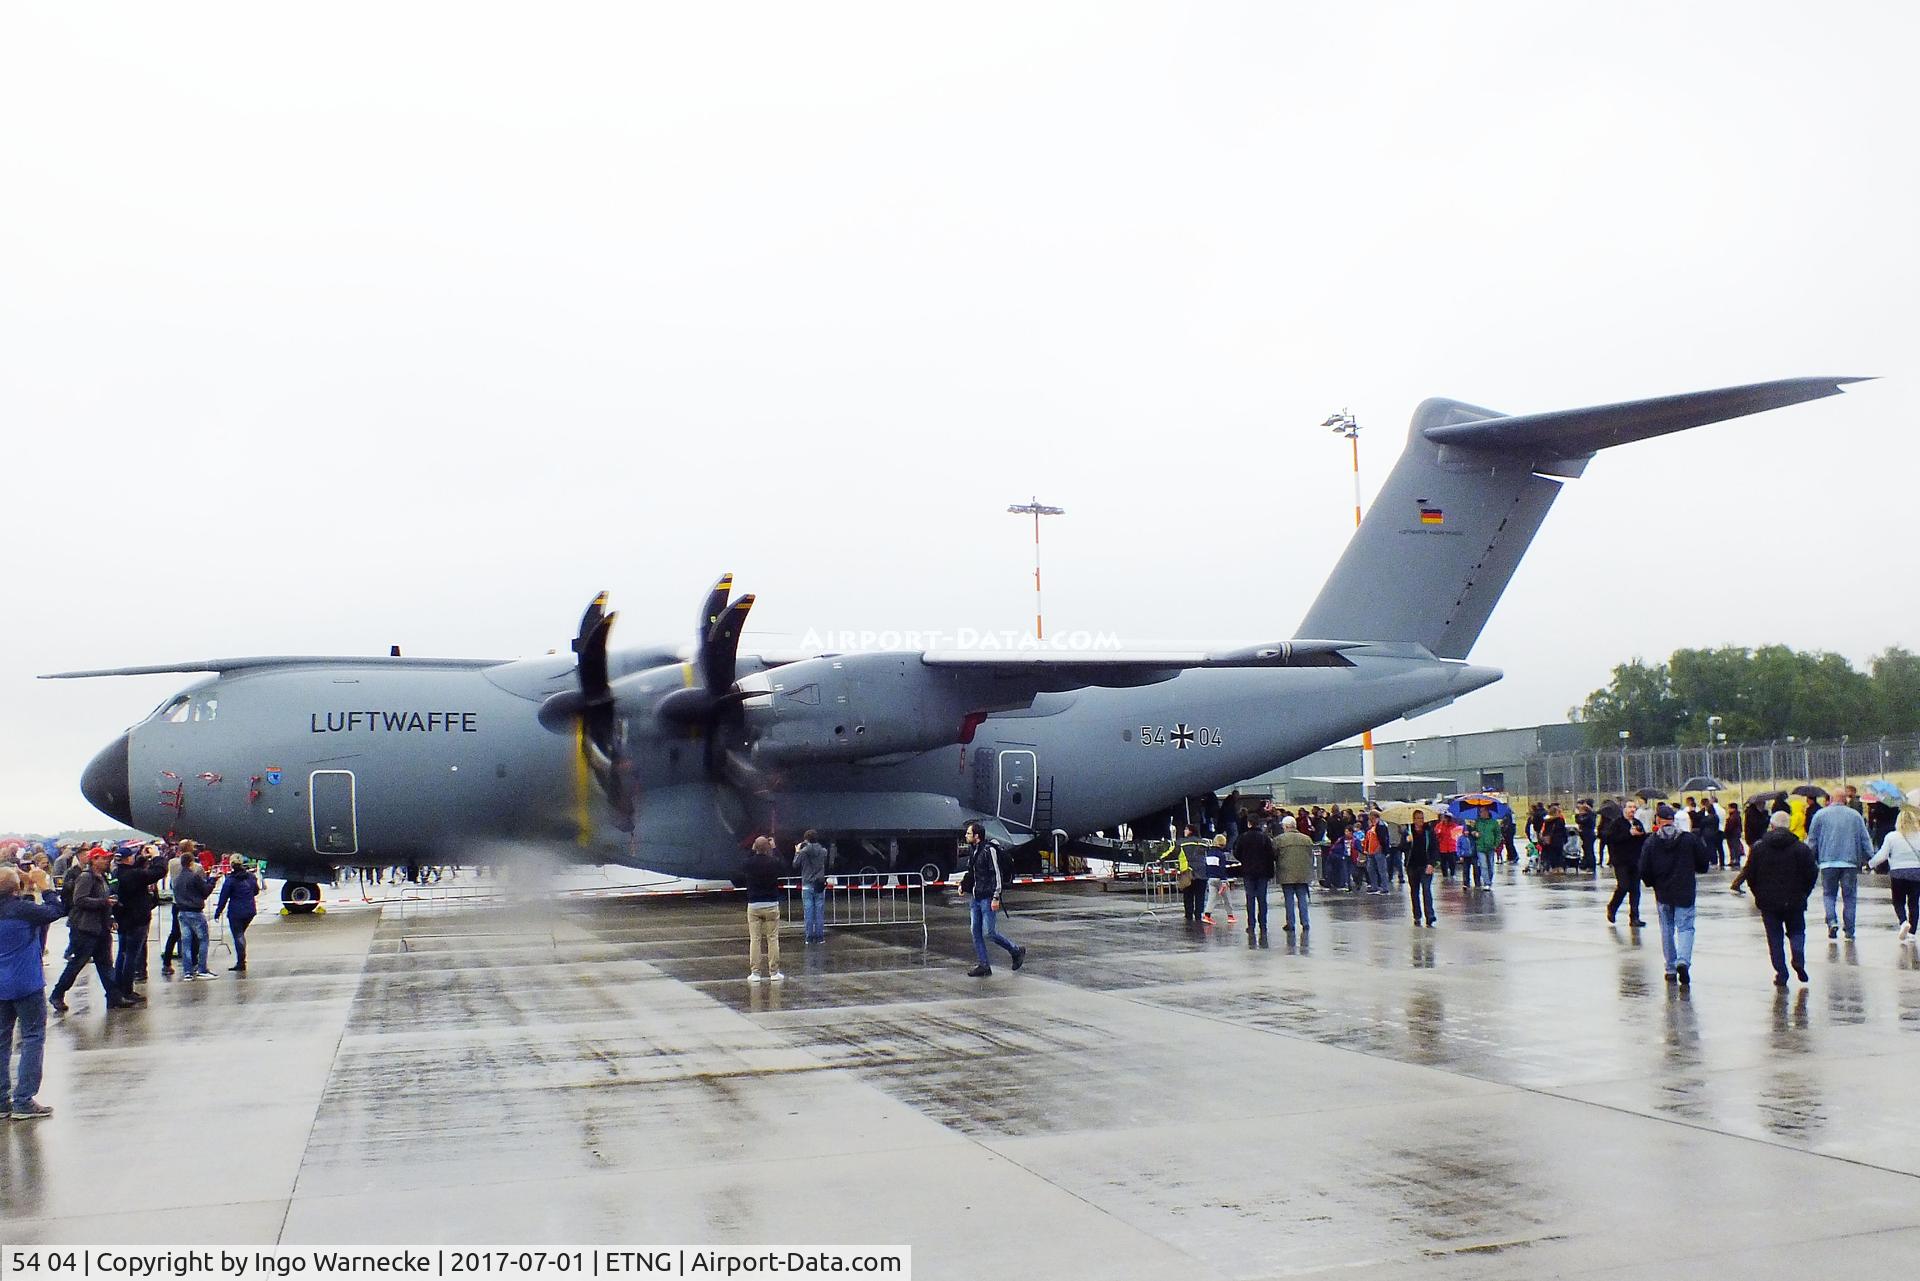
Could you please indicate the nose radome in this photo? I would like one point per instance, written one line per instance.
(104, 782)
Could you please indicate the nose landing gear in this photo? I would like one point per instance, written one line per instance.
(297, 898)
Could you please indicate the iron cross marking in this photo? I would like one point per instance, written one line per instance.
(1182, 736)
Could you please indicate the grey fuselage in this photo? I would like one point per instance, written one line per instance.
(391, 761)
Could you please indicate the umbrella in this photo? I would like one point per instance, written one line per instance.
(1651, 794)
(1702, 783)
(1810, 790)
(1403, 812)
(1478, 807)
(1885, 791)
(1766, 798)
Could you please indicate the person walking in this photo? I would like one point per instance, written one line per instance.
(985, 879)
(89, 932)
(23, 1000)
(810, 859)
(1374, 845)
(1734, 832)
(763, 871)
(1625, 837)
(191, 889)
(1838, 836)
(1446, 838)
(1421, 851)
(1219, 877)
(1293, 866)
(1253, 850)
(240, 901)
(1466, 846)
(1781, 872)
(1670, 863)
(1900, 854)
(1192, 866)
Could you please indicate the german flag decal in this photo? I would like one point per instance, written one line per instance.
(1432, 516)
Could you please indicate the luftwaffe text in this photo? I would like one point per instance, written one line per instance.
(374, 721)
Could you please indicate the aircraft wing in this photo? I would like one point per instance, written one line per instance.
(1056, 671)
(260, 663)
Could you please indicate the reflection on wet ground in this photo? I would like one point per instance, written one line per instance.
(1514, 1093)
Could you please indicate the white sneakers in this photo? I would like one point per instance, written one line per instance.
(1906, 930)
(774, 977)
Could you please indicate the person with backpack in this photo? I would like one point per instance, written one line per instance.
(1900, 855)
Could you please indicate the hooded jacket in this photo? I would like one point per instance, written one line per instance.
(1781, 871)
(1669, 861)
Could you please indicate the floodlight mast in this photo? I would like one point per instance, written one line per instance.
(1036, 509)
(1345, 424)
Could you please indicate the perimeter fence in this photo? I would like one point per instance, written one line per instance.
(1743, 767)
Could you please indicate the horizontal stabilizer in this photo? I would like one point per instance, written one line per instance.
(1569, 433)
(1470, 490)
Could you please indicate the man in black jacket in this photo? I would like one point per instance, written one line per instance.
(1669, 863)
(89, 908)
(134, 878)
(1253, 850)
(1781, 872)
(1623, 850)
(763, 912)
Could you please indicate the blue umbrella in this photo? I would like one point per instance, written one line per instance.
(1885, 791)
(1477, 807)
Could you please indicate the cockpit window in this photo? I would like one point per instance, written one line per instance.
(173, 711)
(205, 709)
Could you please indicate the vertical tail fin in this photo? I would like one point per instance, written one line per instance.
(1469, 492)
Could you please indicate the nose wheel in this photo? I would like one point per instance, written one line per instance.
(297, 898)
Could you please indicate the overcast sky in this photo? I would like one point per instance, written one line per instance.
(327, 327)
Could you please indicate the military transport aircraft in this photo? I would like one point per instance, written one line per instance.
(668, 761)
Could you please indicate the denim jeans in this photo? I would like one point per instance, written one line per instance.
(1842, 883)
(1419, 887)
(1789, 926)
(193, 942)
(1486, 866)
(1376, 872)
(1676, 936)
(30, 1012)
(132, 956)
(1397, 866)
(1295, 897)
(984, 929)
(813, 907)
(1257, 902)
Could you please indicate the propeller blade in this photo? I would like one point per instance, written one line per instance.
(719, 656)
(716, 605)
(594, 687)
(595, 611)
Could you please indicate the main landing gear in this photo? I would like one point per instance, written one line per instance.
(297, 898)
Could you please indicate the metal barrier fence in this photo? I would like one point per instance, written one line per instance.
(1161, 879)
(1743, 766)
(897, 898)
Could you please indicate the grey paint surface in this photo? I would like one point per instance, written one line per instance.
(1513, 1094)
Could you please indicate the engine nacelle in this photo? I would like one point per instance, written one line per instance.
(855, 706)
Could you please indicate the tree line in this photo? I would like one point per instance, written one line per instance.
(1758, 694)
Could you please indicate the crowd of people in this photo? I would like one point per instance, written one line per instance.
(108, 898)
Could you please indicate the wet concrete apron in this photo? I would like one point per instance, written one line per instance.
(1514, 1093)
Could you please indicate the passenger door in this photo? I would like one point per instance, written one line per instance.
(334, 813)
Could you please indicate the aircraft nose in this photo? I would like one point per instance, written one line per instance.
(105, 785)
